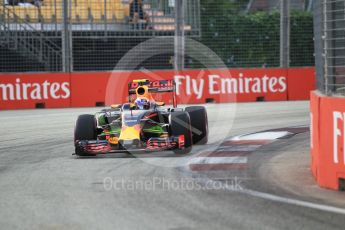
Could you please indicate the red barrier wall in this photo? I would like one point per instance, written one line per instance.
(21, 91)
(328, 140)
(88, 88)
(299, 89)
(198, 86)
(314, 132)
(26, 91)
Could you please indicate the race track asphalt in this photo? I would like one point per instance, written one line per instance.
(42, 186)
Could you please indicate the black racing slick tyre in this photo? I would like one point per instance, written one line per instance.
(85, 130)
(180, 125)
(199, 122)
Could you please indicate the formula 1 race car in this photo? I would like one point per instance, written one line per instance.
(142, 124)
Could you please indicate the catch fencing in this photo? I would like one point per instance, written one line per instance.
(330, 46)
(96, 35)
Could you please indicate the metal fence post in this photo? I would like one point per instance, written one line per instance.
(66, 36)
(318, 44)
(285, 33)
(179, 35)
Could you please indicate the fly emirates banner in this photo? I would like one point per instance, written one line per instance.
(192, 86)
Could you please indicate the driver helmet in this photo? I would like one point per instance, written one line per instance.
(142, 103)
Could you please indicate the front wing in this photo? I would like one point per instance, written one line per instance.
(95, 147)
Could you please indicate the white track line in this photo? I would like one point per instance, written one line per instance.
(271, 197)
(219, 160)
(267, 196)
(240, 148)
(280, 199)
(271, 135)
(285, 200)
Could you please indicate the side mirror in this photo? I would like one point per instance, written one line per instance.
(129, 106)
(160, 103)
(115, 106)
(132, 106)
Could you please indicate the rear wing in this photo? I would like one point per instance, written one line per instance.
(157, 86)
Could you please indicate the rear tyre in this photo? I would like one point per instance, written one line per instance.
(85, 130)
(199, 122)
(180, 125)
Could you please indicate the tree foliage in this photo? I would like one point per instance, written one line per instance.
(253, 39)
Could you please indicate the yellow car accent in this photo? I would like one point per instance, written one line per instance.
(130, 133)
(132, 106)
(140, 80)
(142, 91)
(113, 140)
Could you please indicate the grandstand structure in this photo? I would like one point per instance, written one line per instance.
(101, 32)
(90, 15)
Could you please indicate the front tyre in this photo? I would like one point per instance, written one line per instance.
(199, 122)
(85, 130)
(180, 125)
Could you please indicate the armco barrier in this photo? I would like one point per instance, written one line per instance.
(50, 90)
(328, 140)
